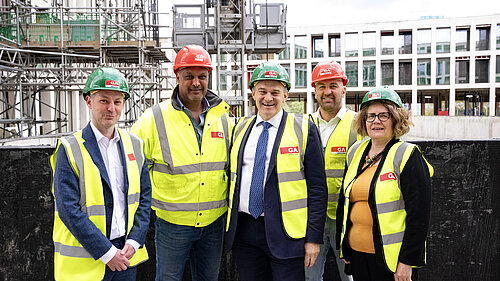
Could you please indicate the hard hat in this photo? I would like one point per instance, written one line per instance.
(106, 78)
(270, 71)
(192, 55)
(381, 93)
(328, 70)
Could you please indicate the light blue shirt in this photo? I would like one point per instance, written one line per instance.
(198, 127)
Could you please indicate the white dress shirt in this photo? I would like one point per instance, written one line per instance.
(326, 128)
(249, 156)
(111, 155)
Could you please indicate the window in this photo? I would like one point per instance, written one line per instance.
(223, 79)
(443, 71)
(300, 75)
(334, 45)
(463, 40)
(424, 72)
(483, 38)
(404, 72)
(498, 37)
(351, 44)
(368, 73)
(387, 42)
(482, 70)
(318, 48)
(300, 47)
(443, 40)
(405, 42)
(424, 41)
(351, 68)
(497, 79)
(462, 71)
(387, 73)
(285, 54)
(369, 42)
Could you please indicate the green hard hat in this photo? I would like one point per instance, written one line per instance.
(381, 93)
(106, 78)
(270, 71)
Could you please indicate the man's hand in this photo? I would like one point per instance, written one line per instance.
(346, 261)
(118, 262)
(312, 251)
(403, 272)
(128, 251)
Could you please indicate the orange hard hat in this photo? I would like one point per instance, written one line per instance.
(328, 70)
(192, 55)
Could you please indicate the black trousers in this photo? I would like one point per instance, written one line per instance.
(254, 259)
(365, 267)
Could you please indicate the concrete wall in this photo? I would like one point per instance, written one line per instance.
(463, 241)
(455, 127)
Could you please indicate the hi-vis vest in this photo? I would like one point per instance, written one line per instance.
(336, 149)
(290, 169)
(390, 206)
(189, 184)
(71, 260)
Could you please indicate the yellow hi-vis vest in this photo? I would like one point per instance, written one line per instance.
(336, 149)
(71, 260)
(290, 169)
(189, 184)
(390, 205)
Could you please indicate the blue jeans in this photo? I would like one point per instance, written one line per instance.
(176, 243)
(315, 273)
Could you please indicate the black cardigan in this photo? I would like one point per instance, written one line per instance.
(415, 185)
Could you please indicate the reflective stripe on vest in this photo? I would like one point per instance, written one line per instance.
(290, 171)
(70, 258)
(336, 147)
(390, 206)
(187, 178)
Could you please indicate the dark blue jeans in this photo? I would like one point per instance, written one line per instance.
(124, 275)
(176, 243)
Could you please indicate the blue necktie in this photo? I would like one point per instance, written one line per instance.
(256, 202)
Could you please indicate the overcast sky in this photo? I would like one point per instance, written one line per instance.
(328, 12)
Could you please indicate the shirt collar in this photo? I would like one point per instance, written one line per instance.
(340, 115)
(99, 136)
(204, 102)
(274, 121)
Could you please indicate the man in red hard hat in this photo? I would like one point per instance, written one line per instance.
(187, 143)
(334, 121)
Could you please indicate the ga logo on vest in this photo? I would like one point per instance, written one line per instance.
(289, 150)
(339, 150)
(388, 176)
(217, 135)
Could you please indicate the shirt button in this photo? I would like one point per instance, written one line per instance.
(200, 214)
(202, 183)
(197, 223)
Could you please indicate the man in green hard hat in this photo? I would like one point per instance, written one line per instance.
(277, 195)
(102, 190)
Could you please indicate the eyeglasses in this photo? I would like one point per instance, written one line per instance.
(382, 116)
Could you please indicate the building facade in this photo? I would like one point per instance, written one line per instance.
(439, 66)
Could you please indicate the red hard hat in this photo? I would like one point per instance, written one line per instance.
(192, 55)
(328, 70)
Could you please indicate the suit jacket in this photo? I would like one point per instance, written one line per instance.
(67, 195)
(280, 245)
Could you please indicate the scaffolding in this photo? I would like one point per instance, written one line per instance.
(47, 53)
(231, 30)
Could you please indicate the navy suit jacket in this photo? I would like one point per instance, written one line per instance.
(67, 198)
(280, 245)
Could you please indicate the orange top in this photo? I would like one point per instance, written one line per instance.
(360, 234)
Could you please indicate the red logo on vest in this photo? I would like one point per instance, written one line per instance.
(289, 150)
(217, 135)
(388, 176)
(339, 149)
(374, 96)
(131, 157)
(112, 83)
(269, 73)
